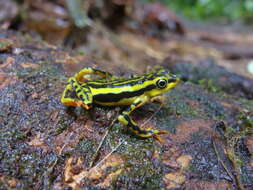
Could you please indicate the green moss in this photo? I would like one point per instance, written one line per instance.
(140, 172)
(210, 85)
(61, 128)
(191, 102)
(143, 176)
(4, 45)
(116, 132)
(223, 10)
(245, 123)
(236, 150)
(178, 104)
(86, 148)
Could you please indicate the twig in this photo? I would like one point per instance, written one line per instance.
(101, 143)
(231, 156)
(109, 154)
(221, 161)
(101, 161)
(152, 116)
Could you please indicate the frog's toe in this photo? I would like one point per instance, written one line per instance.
(86, 106)
(156, 134)
(158, 138)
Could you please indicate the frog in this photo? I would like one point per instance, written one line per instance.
(83, 90)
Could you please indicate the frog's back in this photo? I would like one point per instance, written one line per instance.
(120, 91)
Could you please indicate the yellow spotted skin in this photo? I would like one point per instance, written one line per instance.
(109, 90)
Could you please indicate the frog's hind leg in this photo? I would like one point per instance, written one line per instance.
(67, 97)
(129, 123)
(82, 75)
(76, 95)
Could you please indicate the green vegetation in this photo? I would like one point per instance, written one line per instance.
(225, 10)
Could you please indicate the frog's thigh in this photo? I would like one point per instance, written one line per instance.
(66, 96)
(85, 95)
(68, 101)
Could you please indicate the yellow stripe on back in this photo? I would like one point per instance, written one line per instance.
(124, 88)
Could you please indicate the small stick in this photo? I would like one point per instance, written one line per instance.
(221, 161)
(109, 154)
(152, 115)
(101, 143)
(85, 173)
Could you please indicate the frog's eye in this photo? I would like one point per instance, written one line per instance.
(161, 83)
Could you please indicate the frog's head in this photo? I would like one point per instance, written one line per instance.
(163, 81)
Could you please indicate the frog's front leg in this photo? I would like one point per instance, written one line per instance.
(80, 76)
(73, 89)
(128, 122)
(159, 99)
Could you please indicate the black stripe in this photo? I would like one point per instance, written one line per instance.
(103, 72)
(131, 125)
(111, 97)
(79, 90)
(134, 127)
(69, 94)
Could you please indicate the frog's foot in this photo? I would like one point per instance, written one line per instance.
(143, 133)
(158, 138)
(86, 106)
(153, 133)
(75, 102)
(71, 102)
